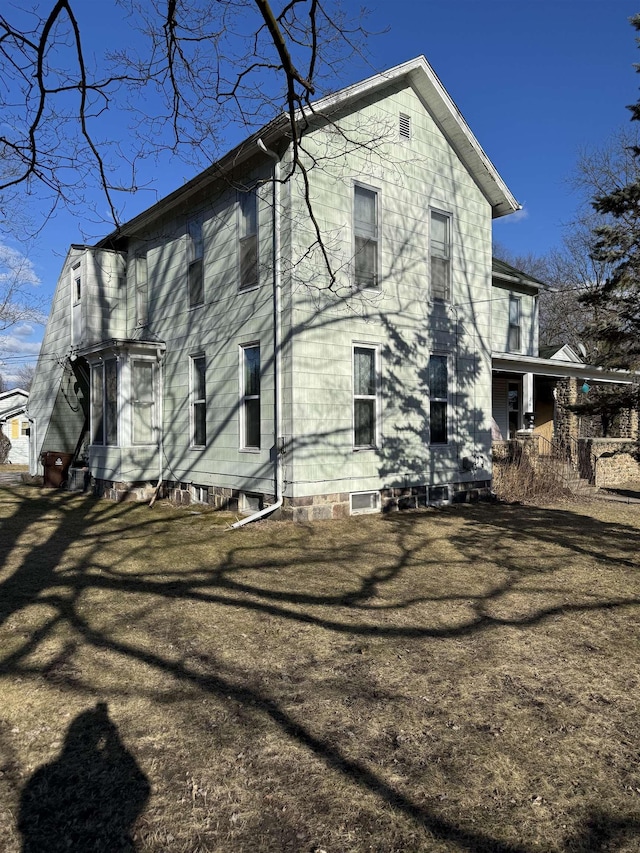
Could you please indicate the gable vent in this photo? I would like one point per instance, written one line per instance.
(404, 125)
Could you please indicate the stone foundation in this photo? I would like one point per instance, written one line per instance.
(609, 462)
(300, 509)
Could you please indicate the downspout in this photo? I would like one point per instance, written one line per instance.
(277, 347)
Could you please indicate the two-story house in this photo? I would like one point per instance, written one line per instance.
(228, 346)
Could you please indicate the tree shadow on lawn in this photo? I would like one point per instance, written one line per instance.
(487, 533)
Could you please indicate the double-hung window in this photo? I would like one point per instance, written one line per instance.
(250, 396)
(195, 271)
(143, 402)
(248, 239)
(365, 397)
(440, 255)
(438, 399)
(104, 402)
(365, 227)
(142, 290)
(514, 342)
(198, 401)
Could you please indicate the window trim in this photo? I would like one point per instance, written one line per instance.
(135, 360)
(101, 367)
(376, 396)
(517, 302)
(242, 237)
(195, 254)
(196, 401)
(142, 289)
(435, 211)
(377, 287)
(446, 400)
(244, 398)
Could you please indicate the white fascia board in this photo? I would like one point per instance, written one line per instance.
(507, 362)
(443, 109)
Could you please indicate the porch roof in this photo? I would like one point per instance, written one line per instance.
(509, 362)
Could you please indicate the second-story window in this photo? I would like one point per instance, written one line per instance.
(142, 290)
(440, 255)
(195, 263)
(515, 336)
(365, 227)
(248, 239)
(77, 283)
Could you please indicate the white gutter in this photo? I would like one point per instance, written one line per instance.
(277, 345)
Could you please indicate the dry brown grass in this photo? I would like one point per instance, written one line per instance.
(455, 680)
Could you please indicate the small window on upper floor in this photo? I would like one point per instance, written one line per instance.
(195, 271)
(515, 325)
(248, 239)
(365, 227)
(142, 290)
(77, 283)
(440, 255)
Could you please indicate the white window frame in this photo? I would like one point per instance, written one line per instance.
(446, 399)
(100, 367)
(377, 229)
(516, 303)
(245, 398)
(154, 400)
(436, 253)
(142, 289)
(195, 259)
(76, 283)
(375, 349)
(366, 510)
(244, 238)
(195, 400)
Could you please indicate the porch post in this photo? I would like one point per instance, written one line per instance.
(527, 398)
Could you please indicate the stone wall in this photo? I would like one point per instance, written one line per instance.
(609, 462)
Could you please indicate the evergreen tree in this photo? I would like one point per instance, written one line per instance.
(617, 244)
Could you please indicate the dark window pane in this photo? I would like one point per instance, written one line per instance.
(111, 401)
(364, 423)
(364, 372)
(251, 371)
(249, 261)
(199, 424)
(252, 423)
(97, 398)
(199, 378)
(196, 284)
(438, 422)
(438, 384)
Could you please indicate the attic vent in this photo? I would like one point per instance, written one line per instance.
(404, 126)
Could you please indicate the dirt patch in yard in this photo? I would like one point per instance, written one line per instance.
(464, 679)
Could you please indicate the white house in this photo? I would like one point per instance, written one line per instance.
(15, 425)
(227, 347)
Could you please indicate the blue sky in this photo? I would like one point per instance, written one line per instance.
(538, 81)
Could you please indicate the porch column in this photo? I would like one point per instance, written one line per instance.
(527, 397)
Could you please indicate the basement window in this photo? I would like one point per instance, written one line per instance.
(362, 502)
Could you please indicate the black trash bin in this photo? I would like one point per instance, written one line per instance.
(56, 468)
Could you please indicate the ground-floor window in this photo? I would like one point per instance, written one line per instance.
(143, 402)
(438, 399)
(198, 401)
(250, 399)
(104, 402)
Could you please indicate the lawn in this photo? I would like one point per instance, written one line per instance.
(464, 679)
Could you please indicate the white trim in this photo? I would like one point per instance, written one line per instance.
(365, 510)
(243, 447)
(375, 348)
(378, 236)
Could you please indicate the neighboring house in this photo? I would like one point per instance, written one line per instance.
(206, 348)
(15, 425)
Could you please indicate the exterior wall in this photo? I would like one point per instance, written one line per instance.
(227, 319)
(500, 320)
(401, 320)
(13, 429)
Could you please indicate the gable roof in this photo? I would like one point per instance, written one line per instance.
(416, 73)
